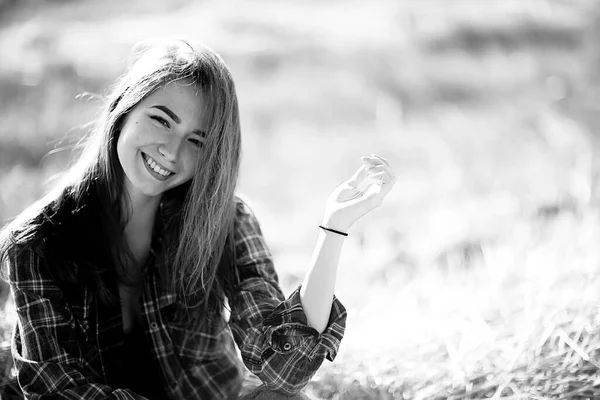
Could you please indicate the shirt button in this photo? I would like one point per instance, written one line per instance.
(287, 346)
(153, 325)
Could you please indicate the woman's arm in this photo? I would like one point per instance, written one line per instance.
(278, 338)
(316, 293)
(272, 332)
(348, 203)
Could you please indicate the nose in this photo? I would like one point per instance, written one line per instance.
(170, 150)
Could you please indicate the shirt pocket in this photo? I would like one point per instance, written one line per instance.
(196, 347)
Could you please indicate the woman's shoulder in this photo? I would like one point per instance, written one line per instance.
(46, 238)
(22, 241)
(245, 218)
(39, 224)
(244, 207)
(246, 223)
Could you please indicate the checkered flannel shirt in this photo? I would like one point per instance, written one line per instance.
(69, 347)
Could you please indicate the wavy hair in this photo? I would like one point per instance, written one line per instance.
(84, 215)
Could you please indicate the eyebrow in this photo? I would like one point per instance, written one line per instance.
(175, 118)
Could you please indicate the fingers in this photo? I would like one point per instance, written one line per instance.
(381, 176)
(378, 190)
(358, 176)
(371, 182)
(382, 171)
(373, 169)
(375, 159)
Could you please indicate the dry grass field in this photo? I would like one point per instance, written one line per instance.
(478, 277)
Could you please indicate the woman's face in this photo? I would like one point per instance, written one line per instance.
(162, 140)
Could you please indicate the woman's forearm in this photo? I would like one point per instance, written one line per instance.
(317, 289)
(349, 202)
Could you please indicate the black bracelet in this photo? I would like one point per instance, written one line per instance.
(333, 230)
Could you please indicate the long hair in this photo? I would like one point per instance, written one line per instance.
(85, 217)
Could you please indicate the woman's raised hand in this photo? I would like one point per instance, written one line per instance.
(360, 194)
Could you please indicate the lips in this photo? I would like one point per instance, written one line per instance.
(155, 169)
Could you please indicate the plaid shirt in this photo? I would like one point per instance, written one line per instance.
(69, 346)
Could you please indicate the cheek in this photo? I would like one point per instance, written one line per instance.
(132, 138)
(125, 148)
(121, 149)
(190, 160)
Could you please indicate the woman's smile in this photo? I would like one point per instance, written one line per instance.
(155, 169)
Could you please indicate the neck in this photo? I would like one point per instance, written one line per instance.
(141, 214)
(141, 210)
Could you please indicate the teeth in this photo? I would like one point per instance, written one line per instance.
(155, 167)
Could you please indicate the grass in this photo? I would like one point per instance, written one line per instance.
(523, 324)
(477, 278)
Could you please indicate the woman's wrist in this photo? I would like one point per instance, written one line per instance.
(333, 223)
(326, 229)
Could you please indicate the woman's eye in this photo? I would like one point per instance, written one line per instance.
(161, 120)
(196, 143)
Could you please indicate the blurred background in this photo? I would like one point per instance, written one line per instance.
(478, 277)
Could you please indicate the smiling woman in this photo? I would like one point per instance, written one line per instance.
(162, 136)
(121, 275)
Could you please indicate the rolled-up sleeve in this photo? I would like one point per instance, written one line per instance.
(272, 332)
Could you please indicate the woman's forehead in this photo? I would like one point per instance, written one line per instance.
(184, 99)
(177, 91)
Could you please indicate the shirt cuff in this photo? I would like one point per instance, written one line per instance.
(288, 329)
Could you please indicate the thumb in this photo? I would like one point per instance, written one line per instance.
(371, 196)
(374, 190)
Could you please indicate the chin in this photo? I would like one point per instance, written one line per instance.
(152, 190)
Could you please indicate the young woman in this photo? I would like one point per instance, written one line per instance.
(136, 275)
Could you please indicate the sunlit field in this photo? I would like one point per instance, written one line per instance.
(478, 277)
